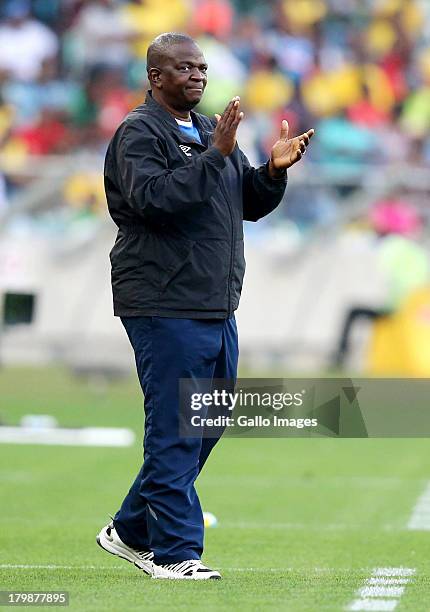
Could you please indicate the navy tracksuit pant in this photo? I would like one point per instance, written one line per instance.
(162, 511)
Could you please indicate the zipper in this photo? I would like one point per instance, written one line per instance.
(208, 143)
(233, 244)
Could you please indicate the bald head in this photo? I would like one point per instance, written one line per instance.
(177, 72)
(161, 48)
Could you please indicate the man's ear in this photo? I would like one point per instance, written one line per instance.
(154, 75)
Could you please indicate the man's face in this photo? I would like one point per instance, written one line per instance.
(182, 78)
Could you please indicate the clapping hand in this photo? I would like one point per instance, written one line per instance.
(227, 124)
(288, 151)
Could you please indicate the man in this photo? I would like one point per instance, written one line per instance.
(179, 187)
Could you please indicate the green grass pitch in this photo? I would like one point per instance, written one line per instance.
(302, 523)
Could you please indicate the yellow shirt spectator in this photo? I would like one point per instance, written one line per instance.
(267, 91)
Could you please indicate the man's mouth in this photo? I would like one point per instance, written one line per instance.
(199, 89)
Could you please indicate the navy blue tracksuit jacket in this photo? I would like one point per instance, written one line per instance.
(179, 206)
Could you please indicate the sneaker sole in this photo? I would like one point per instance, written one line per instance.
(184, 578)
(110, 547)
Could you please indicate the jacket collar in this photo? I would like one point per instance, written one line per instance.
(156, 108)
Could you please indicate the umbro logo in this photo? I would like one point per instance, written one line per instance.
(186, 150)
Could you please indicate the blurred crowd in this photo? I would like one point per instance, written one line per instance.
(356, 70)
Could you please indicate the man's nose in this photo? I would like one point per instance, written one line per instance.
(197, 75)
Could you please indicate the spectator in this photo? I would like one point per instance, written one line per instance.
(99, 105)
(49, 135)
(48, 90)
(402, 261)
(100, 34)
(25, 43)
(267, 89)
(228, 74)
(151, 17)
(213, 17)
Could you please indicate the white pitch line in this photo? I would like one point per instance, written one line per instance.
(394, 571)
(60, 567)
(233, 569)
(125, 566)
(61, 436)
(387, 581)
(420, 517)
(383, 590)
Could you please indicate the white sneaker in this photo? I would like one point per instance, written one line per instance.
(185, 570)
(109, 540)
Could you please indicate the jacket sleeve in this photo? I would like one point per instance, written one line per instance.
(261, 193)
(150, 187)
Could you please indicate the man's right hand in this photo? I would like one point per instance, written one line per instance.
(225, 131)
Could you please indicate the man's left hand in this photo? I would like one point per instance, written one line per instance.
(286, 152)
